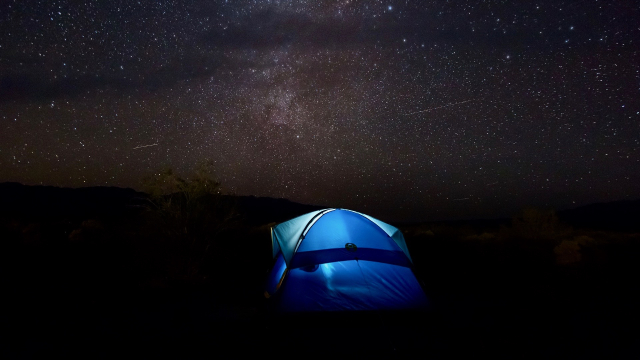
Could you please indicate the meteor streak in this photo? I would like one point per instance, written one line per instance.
(144, 146)
(440, 107)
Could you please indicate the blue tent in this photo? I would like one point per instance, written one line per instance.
(337, 259)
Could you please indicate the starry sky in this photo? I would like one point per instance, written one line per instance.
(405, 110)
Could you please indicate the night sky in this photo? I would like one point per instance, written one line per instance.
(405, 110)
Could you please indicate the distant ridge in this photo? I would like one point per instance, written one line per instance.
(55, 202)
(611, 216)
(17, 200)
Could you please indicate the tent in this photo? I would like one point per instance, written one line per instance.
(338, 259)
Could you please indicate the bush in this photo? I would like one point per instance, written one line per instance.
(535, 223)
(567, 252)
(186, 217)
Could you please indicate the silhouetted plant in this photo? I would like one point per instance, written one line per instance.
(567, 252)
(189, 214)
(535, 223)
(89, 230)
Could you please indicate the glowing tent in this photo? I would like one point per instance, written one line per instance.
(337, 259)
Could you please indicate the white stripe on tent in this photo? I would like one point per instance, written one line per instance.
(292, 233)
(308, 227)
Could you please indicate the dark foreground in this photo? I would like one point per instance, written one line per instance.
(570, 313)
(118, 282)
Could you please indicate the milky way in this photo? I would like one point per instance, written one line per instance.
(406, 110)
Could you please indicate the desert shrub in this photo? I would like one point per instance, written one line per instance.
(584, 240)
(186, 218)
(567, 252)
(417, 231)
(484, 237)
(89, 230)
(191, 205)
(535, 223)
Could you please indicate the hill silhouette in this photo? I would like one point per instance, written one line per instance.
(612, 216)
(51, 202)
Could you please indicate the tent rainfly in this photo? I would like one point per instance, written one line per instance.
(341, 260)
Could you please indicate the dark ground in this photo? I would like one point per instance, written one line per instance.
(97, 281)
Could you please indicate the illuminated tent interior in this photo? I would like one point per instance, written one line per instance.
(341, 260)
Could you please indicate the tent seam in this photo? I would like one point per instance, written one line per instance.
(302, 235)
